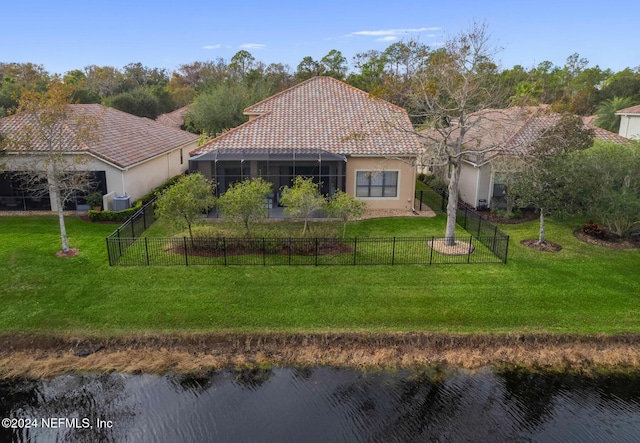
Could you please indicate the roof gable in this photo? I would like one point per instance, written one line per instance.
(322, 113)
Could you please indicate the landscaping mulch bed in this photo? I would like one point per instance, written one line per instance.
(335, 248)
(547, 246)
(494, 218)
(459, 248)
(612, 242)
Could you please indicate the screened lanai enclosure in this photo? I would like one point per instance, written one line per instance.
(278, 167)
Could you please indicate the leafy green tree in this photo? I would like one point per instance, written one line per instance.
(185, 202)
(302, 199)
(218, 109)
(606, 182)
(543, 182)
(241, 63)
(246, 201)
(334, 65)
(370, 72)
(625, 83)
(606, 117)
(308, 68)
(346, 208)
(141, 102)
(102, 80)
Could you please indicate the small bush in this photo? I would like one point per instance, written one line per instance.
(595, 230)
(433, 182)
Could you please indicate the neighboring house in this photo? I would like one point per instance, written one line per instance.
(173, 119)
(130, 156)
(630, 122)
(325, 129)
(502, 132)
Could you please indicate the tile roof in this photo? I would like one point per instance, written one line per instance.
(121, 139)
(322, 113)
(514, 130)
(173, 119)
(634, 110)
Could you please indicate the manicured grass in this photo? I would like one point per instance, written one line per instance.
(581, 289)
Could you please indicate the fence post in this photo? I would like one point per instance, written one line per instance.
(316, 251)
(186, 255)
(133, 231)
(109, 252)
(224, 249)
(465, 218)
(393, 252)
(506, 251)
(119, 243)
(355, 249)
(469, 250)
(289, 251)
(264, 253)
(433, 244)
(146, 249)
(421, 194)
(144, 218)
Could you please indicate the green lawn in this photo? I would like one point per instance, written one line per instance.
(582, 289)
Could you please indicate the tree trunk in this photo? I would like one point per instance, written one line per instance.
(541, 238)
(54, 196)
(452, 206)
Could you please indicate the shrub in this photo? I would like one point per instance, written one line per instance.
(433, 182)
(595, 230)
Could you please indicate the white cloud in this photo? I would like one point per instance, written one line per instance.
(388, 38)
(253, 46)
(392, 32)
(212, 47)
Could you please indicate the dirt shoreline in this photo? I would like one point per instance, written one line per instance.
(37, 356)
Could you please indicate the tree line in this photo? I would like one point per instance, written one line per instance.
(217, 91)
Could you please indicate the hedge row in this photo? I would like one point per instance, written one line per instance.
(124, 215)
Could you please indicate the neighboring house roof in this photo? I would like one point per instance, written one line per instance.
(121, 139)
(513, 131)
(325, 114)
(634, 110)
(173, 119)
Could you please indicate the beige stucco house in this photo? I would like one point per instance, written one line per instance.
(325, 129)
(128, 156)
(499, 133)
(630, 122)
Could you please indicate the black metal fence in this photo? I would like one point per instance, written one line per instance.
(125, 236)
(486, 244)
(307, 251)
(468, 219)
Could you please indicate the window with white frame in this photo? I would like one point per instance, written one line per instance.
(376, 183)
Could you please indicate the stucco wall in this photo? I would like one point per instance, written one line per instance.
(135, 181)
(142, 178)
(406, 180)
(630, 126)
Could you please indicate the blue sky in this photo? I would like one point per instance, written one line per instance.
(69, 34)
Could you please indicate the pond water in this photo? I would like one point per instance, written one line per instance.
(323, 405)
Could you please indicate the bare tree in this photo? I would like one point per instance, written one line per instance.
(457, 81)
(56, 139)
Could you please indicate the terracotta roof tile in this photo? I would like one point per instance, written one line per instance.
(323, 113)
(122, 139)
(634, 110)
(173, 119)
(513, 130)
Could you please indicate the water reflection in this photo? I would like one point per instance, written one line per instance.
(325, 404)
